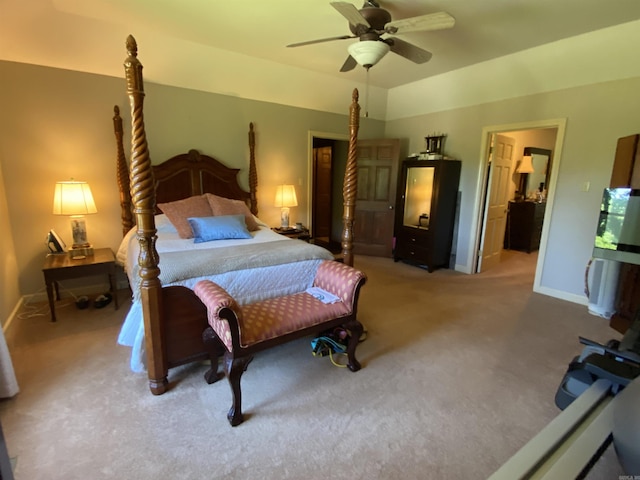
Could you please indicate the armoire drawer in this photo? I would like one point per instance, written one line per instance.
(413, 236)
(412, 251)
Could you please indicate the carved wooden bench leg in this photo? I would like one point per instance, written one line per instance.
(215, 349)
(356, 329)
(234, 368)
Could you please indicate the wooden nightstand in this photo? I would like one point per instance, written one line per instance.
(61, 266)
(293, 233)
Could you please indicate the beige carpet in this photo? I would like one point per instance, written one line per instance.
(459, 372)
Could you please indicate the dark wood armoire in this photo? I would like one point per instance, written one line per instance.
(427, 197)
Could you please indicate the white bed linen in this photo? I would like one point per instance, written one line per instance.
(246, 286)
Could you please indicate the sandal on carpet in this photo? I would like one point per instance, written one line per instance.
(102, 300)
(82, 302)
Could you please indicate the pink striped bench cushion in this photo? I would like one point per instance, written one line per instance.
(279, 316)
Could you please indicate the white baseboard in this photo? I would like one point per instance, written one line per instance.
(13, 314)
(74, 292)
(569, 297)
(551, 292)
(462, 268)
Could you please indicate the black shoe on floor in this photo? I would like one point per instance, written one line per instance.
(82, 302)
(102, 300)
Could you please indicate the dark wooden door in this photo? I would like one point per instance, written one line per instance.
(322, 165)
(378, 162)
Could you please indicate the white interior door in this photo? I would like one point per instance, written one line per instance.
(500, 171)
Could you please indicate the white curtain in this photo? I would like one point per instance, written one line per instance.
(8, 382)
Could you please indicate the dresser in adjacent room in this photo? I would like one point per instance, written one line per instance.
(524, 226)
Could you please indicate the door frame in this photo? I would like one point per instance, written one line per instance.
(310, 136)
(483, 186)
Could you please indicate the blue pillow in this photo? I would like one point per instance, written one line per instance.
(206, 229)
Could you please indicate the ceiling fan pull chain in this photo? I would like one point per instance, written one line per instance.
(366, 98)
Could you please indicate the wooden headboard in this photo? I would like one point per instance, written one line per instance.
(184, 176)
(192, 173)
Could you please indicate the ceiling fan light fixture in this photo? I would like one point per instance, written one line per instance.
(368, 52)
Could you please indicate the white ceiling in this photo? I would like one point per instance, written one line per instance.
(52, 32)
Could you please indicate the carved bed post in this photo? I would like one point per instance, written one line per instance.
(143, 196)
(122, 171)
(350, 185)
(253, 174)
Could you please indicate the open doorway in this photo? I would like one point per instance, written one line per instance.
(327, 162)
(378, 161)
(544, 135)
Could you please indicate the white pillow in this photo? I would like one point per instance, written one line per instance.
(163, 224)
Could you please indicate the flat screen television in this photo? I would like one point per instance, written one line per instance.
(618, 233)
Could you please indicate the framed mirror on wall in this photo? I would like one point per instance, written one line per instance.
(534, 170)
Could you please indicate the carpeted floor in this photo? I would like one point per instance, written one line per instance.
(458, 373)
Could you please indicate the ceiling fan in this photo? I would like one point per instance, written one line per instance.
(370, 23)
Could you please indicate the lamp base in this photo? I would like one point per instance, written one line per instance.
(284, 218)
(78, 253)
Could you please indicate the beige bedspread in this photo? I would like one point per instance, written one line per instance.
(181, 265)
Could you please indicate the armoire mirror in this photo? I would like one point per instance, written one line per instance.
(541, 161)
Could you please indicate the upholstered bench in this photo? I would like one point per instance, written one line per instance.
(239, 332)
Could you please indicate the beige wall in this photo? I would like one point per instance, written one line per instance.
(57, 124)
(9, 293)
(597, 115)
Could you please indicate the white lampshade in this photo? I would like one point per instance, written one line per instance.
(286, 196)
(526, 165)
(73, 198)
(368, 52)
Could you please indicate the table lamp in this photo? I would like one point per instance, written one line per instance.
(526, 165)
(75, 199)
(285, 198)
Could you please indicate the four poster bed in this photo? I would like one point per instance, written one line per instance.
(166, 321)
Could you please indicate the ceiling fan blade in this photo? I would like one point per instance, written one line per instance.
(349, 64)
(408, 51)
(351, 13)
(330, 39)
(421, 23)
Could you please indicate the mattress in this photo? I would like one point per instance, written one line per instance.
(247, 285)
